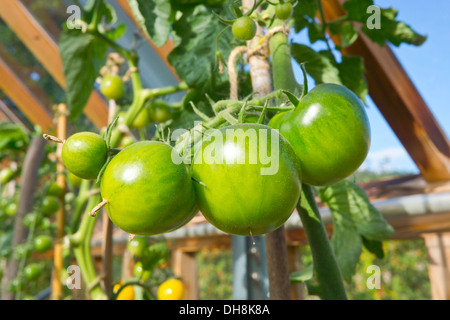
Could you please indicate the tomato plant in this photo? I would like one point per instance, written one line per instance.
(32, 271)
(146, 164)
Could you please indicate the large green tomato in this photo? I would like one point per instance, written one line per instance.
(250, 179)
(146, 192)
(330, 132)
(84, 154)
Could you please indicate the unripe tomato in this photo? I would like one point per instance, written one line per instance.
(159, 111)
(43, 243)
(32, 219)
(251, 180)
(137, 245)
(50, 205)
(172, 289)
(330, 132)
(6, 175)
(84, 154)
(74, 180)
(11, 209)
(146, 192)
(140, 272)
(112, 87)
(141, 120)
(32, 271)
(126, 293)
(283, 10)
(126, 141)
(55, 190)
(244, 28)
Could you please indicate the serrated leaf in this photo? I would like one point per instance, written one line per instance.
(154, 18)
(82, 55)
(193, 57)
(319, 66)
(354, 217)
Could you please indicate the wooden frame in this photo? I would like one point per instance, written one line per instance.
(45, 49)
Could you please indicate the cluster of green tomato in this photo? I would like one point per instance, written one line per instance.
(244, 27)
(322, 141)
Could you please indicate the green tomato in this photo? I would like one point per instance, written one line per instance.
(244, 28)
(330, 132)
(283, 10)
(32, 271)
(32, 219)
(146, 192)
(55, 190)
(160, 111)
(22, 251)
(84, 154)
(112, 87)
(43, 243)
(50, 205)
(11, 209)
(6, 175)
(140, 272)
(250, 179)
(17, 284)
(126, 141)
(141, 120)
(137, 245)
(74, 180)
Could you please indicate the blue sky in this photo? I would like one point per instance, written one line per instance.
(428, 68)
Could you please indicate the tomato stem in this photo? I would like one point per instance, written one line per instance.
(325, 264)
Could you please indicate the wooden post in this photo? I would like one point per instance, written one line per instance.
(61, 116)
(438, 246)
(184, 266)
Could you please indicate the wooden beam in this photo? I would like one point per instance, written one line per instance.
(162, 51)
(24, 98)
(184, 266)
(400, 103)
(438, 247)
(46, 51)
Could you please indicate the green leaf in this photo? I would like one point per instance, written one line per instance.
(193, 57)
(302, 276)
(347, 31)
(392, 30)
(357, 9)
(304, 13)
(12, 136)
(319, 66)
(396, 32)
(154, 18)
(82, 55)
(354, 217)
(374, 246)
(351, 73)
